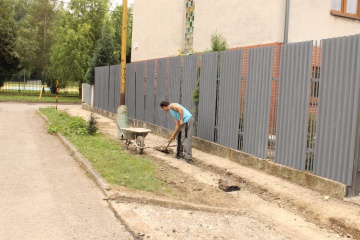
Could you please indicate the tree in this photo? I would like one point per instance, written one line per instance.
(104, 55)
(8, 60)
(116, 18)
(78, 29)
(69, 55)
(35, 35)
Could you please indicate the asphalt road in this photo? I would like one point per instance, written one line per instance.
(44, 194)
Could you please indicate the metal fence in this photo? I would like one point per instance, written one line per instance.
(107, 88)
(294, 104)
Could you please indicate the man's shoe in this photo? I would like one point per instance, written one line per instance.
(180, 156)
(189, 160)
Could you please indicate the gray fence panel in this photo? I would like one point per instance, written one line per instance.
(115, 76)
(130, 96)
(293, 104)
(189, 81)
(103, 81)
(111, 90)
(97, 85)
(160, 91)
(105, 90)
(229, 98)
(174, 86)
(87, 93)
(207, 97)
(338, 104)
(140, 98)
(257, 101)
(150, 92)
(101, 87)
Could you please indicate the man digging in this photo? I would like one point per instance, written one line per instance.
(184, 122)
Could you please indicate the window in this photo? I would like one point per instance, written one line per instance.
(347, 8)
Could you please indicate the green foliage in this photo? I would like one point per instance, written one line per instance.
(218, 42)
(107, 156)
(57, 41)
(69, 55)
(196, 92)
(116, 18)
(104, 55)
(91, 127)
(8, 60)
(35, 34)
(52, 129)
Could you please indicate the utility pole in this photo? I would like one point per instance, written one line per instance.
(122, 112)
(123, 53)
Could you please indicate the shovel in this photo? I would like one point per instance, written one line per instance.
(165, 150)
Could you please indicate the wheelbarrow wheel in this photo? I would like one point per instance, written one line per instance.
(140, 143)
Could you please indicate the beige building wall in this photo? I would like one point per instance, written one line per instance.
(240, 22)
(311, 20)
(157, 28)
(159, 25)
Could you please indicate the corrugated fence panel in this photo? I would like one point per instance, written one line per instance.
(105, 90)
(338, 104)
(293, 104)
(150, 92)
(257, 101)
(140, 100)
(229, 98)
(160, 91)
(189, 81)
(207, 97)
(116, 72)
(130, 89)
(174, 86)
(97, 85)
(102, 87)
(114, 77)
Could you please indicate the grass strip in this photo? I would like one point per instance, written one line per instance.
(45, 99)
(106, 155)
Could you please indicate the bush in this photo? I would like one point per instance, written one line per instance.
(91, 127)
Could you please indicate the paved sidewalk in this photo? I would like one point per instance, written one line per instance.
(43, 192)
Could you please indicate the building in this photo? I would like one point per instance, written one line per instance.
(163, 28)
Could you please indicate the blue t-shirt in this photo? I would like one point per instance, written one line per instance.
(186, 114)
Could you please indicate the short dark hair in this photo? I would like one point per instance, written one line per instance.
(164, 104)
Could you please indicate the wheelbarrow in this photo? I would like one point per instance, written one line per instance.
(135, 136)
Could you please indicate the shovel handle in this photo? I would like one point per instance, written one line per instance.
(171, 139)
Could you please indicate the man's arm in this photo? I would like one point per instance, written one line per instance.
(177, 126)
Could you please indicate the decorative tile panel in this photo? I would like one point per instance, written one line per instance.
(189, 25)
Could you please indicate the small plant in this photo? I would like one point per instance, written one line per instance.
(52, 129)
(91, 127)
(196, 92)
(218, 42)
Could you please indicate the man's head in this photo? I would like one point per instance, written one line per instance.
(165, 106)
